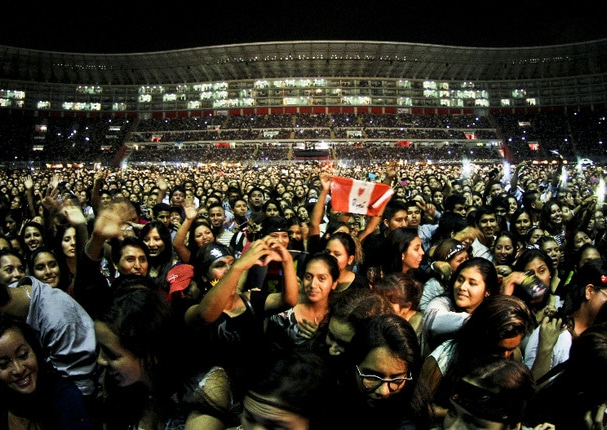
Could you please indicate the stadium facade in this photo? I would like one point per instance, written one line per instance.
(306, 77)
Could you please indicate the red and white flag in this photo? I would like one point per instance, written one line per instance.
(359, 197)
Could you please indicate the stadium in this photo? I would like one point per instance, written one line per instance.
(303, 100)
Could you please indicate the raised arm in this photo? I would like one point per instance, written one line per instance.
(28, 183)
(74, 216)
(163, 187)
(319, 207)
(290, 290)
(181, 235)
(98, 179)
(108, 224)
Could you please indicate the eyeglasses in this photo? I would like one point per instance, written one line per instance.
(373, 382)
(603, 291)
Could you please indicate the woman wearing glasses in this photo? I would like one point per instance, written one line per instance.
(381, 388)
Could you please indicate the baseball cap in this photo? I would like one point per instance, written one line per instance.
(179, 277)
(273, 224)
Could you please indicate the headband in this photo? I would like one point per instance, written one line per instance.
(455, 249)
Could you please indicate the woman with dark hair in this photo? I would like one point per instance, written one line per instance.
(157, 237)
(34, 394)
(33, 236)
(16, 243)
(347, 252)
(381, 387)
(551, 247)
(296, 326)
(520, 223)
(587, 293)
(447, 255)
(233, 320)
(5, 242)
(11, 223)
(272, 207)
(530, 280)
(403, 252)
(573, 262)
(491, 393)
(504, 252)
(151, 377)
(347, 312)
(534, 234)
(551, 220)
(473, 281)
(404, 293)
(193, 234)
(68, 245)
(454, 225)
(46, 267)
(500, 206)
(496, 328)
(575, 241)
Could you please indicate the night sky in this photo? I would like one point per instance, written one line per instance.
(127, 26)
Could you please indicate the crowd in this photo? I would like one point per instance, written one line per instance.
(250, 138)
(198, 297)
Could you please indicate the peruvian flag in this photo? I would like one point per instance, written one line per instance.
(359, 197)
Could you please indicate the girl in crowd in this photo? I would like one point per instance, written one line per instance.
(403, 252)
(151, 379)
(157, 237)
(16, 243)
(46, 267)
(33, 237)
(404, 293)
(347, 252)
(491, 393)
(297, 326)
(530, 280)
(272, 208)
(575, 241)
(504, 252)
(496, 328)
(192, 234)
(447, 255)
(12, 266)
(33, 394)
(513, 206)
(347, 312)
(5, 243)
(549, 344)
(520, 223)
(232, 320)
(574, 263)
(12, 221)
(66, 249)
(473, 281)
(551, 247)
(533, 235)
(382, 387)
(551, 220)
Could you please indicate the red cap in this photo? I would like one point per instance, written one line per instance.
(179, 277)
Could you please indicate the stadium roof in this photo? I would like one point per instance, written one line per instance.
(301, 59)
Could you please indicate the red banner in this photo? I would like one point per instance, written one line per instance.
(359, 197)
